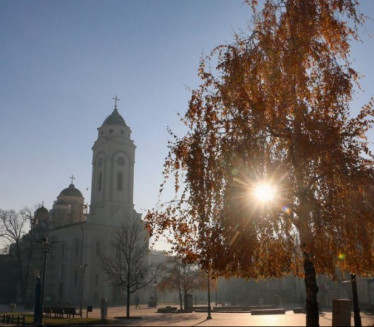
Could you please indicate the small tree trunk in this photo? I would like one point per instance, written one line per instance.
(128, 304)
(180, 300)
(311, 288)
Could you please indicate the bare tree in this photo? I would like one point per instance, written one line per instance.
(21, 245)
(129, 266)
(13, 225)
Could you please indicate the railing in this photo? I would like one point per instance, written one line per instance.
(12, 319)
(59, 312)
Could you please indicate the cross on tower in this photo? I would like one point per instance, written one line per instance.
(72, 179)
(115, 102)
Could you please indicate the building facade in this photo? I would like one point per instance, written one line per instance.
(74, 275)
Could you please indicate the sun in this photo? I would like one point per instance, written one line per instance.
(264, 192)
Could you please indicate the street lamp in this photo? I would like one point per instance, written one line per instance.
(82, 268)
(46, 248)
(155, 286)
(209, 309)
(264, 193)
(37, 298)
(356, 309)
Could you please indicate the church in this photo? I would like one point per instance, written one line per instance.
(74, 273)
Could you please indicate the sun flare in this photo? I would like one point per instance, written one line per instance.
(264, 192)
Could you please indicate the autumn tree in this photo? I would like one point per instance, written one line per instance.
(275, 109)
(127, 264)
(182, 277)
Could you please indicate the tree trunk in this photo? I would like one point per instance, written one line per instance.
(311, 288)
(180, 300)
(128, 304)
(21, 279)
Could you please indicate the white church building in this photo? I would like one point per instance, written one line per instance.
(74, 273)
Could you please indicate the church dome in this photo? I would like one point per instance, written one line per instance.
(71, 191)
(40, 212)
(114, 119)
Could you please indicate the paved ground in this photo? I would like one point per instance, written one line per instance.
(149, 317)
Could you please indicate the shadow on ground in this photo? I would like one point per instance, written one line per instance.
(163, 319)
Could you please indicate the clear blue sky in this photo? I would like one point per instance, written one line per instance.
(62, 62)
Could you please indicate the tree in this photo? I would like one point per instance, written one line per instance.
(13, 228)
(182, 277)
(128, 266)
(276, 110)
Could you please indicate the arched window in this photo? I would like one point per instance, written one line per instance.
(100, 181)
(119, 181)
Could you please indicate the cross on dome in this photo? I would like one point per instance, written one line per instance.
(115, 102)
(72, 179)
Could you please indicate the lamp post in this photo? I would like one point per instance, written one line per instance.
(356, 309)
(217, 292)
(82, 268)
(264, 193)
(37, 298)
(155, 286)
(46, 248)
(209, 310)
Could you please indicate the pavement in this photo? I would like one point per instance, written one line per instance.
(145, 316)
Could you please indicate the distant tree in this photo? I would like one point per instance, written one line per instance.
(276, 110)
(182, 277)
(4, 250)
(21, 244)
(127, 263)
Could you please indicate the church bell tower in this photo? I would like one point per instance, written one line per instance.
(112, 170)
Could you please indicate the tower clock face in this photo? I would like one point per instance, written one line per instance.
(121, 161)
(100, 162)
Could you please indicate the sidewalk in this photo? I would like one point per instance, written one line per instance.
(145, 316)
(150, 317)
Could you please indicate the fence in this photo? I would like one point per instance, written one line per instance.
(12, 319)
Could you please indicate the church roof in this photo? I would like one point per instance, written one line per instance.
(41, 211)
(114, 119)
(71, 191)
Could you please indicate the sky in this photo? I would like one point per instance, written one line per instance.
(62, 62)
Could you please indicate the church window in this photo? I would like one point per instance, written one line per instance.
(111, 131)
(100, 181)
(98, 248)
(121, 161)
(119, 181)
(122, 131)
